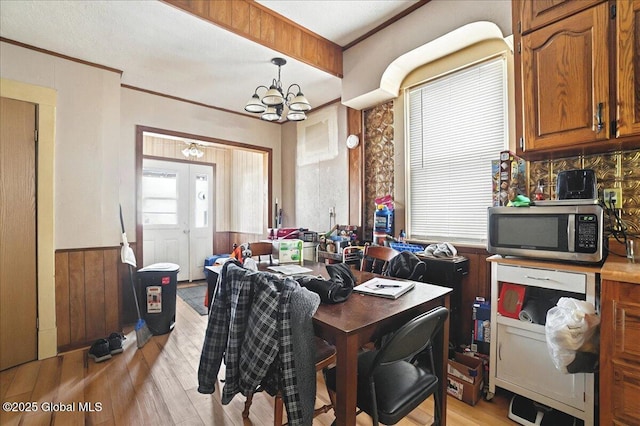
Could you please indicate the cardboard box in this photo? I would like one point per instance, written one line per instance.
(290, 251)
(481, 310)
(465, 378)
(512, 176)
(467, 392)
(466, 368)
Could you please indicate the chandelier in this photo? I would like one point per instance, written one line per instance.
(272, 104)
(192, 151)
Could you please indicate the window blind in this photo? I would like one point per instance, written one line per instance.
(457, 124)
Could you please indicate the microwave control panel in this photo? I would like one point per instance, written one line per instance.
(587, 233)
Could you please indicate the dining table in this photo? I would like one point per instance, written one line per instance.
(362, 319)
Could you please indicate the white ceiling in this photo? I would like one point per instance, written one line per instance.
(163, 49)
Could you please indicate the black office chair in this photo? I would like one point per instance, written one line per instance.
(391, 383)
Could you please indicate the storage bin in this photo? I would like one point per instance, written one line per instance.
(413, 248)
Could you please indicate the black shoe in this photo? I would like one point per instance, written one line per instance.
(99, 351)
(115, 343)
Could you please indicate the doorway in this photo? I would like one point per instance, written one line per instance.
(177, 215)
(18, 248)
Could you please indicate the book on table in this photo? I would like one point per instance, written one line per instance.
(384, 287)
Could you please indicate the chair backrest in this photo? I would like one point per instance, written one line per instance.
(261, 248)
(352, 255)
(412, 338)
(376, 258)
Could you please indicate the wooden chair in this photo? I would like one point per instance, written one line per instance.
(376, 258)
(325, 357)
(261, 248)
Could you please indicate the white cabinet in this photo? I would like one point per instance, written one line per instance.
(519, 358)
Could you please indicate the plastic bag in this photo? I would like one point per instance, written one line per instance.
(572, 334)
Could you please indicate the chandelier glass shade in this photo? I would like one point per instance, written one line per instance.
(192, 151)
(274, 100)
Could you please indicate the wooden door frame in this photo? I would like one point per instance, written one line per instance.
(140, 130)
(45, 99)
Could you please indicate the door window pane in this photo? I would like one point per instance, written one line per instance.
(201, 204)
(160, 202)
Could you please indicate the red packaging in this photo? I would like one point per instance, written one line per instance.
(287, 233)
(511, 300)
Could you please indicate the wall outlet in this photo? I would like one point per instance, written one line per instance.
(613, 194)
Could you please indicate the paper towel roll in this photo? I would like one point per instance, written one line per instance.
(530, 312)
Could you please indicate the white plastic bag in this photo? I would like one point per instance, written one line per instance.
(571, 330)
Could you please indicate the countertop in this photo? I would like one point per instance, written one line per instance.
(617, 268)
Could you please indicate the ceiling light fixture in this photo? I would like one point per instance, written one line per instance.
(271, 106)
(192, 151)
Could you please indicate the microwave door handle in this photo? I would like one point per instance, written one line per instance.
(571, 234)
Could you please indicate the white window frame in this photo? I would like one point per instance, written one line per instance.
(477, 235)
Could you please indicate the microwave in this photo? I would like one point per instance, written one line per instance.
(566, 232)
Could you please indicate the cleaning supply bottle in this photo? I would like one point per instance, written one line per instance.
(382, 219)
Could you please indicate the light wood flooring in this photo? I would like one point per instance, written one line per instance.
(157, 385)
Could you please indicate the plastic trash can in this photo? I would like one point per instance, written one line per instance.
(157, 286)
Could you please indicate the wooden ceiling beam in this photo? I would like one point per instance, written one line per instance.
(255, 22)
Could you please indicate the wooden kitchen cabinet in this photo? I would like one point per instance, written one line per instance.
(536, 14)
(628, 69)
(620, 353)
(565, 81)
(578, 76)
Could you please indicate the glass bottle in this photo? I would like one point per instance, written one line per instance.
(539, 192)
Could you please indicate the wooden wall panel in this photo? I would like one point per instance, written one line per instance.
(87, 295)
(77, 310)
(476, 283)
(354, 127)
(267, 29)
(309, 47)
(62, 298)
(241, 16)
(255, 18)
(112, 312)
(222, 243)
(197, 7)
(94, 294)
(220, 11)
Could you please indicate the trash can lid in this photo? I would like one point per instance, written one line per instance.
(160, 267)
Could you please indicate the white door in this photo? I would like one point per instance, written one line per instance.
(177, 206)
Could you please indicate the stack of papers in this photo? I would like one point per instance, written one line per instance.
(289, 269)
(391, 289)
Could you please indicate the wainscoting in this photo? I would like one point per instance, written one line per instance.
(88, 297)
(477, 283)
(93, 291)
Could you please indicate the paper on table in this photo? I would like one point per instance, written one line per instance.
(289, 269)
(391, 289)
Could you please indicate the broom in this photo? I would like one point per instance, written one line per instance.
(143, 334)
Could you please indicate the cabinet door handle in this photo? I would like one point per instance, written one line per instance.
(500, 351)
(599, 121)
